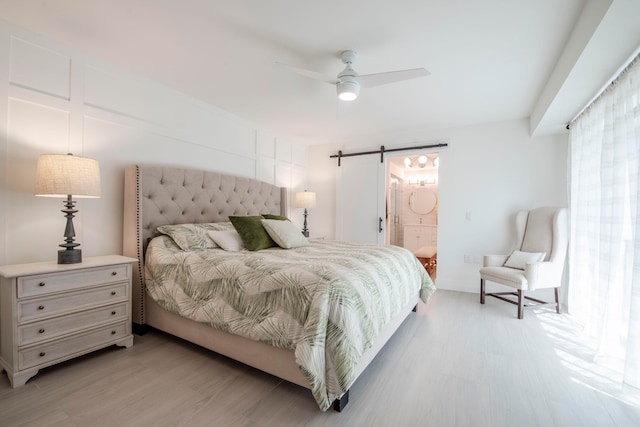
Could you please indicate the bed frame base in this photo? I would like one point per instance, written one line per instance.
(339, 404)
(139, 329)
(275, 361)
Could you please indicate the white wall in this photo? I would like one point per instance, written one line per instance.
(486, 174)
(60, 100)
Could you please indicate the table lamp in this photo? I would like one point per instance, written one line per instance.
(306, 200)
(66, 175)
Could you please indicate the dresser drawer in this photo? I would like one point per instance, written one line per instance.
(38, 308)
(70, 347)
(43, 284)
(51, 312)
(58, 326)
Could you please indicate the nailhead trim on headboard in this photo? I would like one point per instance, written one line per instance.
(140, 250)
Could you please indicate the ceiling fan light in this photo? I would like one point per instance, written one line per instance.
(407, 162)
(422, 161)
(348, 90)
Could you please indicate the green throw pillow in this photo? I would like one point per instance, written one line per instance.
(252, 233)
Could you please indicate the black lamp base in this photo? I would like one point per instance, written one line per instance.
(70, 256)
(305, 230)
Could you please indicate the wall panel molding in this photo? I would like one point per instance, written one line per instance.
(40, 69)
(60, 100)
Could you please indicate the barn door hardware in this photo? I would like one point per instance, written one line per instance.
(383, 150)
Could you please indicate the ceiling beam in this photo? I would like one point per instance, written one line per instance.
(590, 19)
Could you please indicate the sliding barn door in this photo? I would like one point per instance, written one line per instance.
(361, 200)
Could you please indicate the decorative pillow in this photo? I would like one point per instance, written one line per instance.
(229, 240)
(252, 233)
(520, 260)
(188, 236)
(278, 217)
(285, 233)
(225, 226)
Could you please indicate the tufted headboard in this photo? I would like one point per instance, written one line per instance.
(158, 195)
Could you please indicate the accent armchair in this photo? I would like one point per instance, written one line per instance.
(537, 261)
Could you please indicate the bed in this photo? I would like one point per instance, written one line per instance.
(319, 343)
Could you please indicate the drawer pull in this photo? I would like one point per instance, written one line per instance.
(42, 354)
(41, 331)
(113, 292)
(113, 313)
(41, 284)
(41, 307)
(113, 332)
(114, 273)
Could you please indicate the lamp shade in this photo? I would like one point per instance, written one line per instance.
(61, 175)
(306, 199)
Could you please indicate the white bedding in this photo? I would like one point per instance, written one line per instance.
(326, 302)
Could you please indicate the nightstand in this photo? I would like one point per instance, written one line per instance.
(54, 312)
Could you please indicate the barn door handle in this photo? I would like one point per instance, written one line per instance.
(379, 224)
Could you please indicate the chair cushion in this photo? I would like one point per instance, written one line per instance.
(520, 259)
(505, 276)
(426, 252)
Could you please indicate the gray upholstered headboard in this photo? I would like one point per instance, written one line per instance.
(158, 195)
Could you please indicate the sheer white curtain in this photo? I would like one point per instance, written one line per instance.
(604, 250)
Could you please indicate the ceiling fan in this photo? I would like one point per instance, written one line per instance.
(348, 81)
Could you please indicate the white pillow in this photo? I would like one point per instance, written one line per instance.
(284, 233)
(229, 240)
(520, 259)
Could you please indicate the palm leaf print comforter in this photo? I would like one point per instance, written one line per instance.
(326, 302)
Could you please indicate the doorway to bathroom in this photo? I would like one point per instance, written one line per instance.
(412, 201)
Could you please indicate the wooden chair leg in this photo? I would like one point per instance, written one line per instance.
(555, 291)
(481, 291)
(520, 304)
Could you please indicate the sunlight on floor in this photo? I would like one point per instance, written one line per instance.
(578, 354)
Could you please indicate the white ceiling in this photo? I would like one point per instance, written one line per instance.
(490, 60)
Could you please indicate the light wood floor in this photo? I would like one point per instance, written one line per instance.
(454, 363)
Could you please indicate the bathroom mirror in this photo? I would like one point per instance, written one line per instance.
(422, 201)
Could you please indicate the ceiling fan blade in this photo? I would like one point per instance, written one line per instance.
(371, 80)
(308, 73)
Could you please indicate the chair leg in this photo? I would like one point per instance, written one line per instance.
(481, 291)
(520, 304)
(555, 291)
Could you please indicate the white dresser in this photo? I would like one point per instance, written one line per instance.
(54, 312)
(417, 236)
